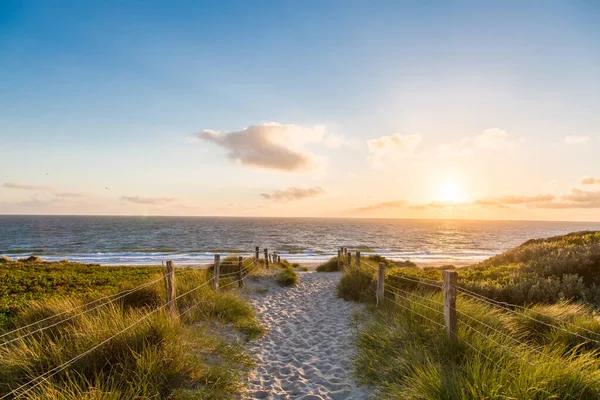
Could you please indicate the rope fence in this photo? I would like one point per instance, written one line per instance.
(451, 314)
(244, 266)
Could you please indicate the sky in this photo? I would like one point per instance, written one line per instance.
(349, 108)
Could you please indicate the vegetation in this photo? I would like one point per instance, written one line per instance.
(406, 355)
(549, 350)
(22, 282)
(329, 266)
(157, 357)
(287, 277)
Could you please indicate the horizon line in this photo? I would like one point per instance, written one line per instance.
(294, 217)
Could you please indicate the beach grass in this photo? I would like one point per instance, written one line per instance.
(151, 355)
(287, 277)
(549, 349)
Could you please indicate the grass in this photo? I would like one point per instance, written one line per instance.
(287, 277)
(159, 357)
(407, 356)
(403, 349)
(331, 265)
(23, 282)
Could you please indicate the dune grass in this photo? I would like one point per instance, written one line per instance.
(405, 353)
(538, 352)
(157, 357)
(287, 277)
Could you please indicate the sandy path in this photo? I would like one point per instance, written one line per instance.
(307, 351)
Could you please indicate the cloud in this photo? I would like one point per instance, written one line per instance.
(271, 145)
(489, 139)
(576, 198)
(512, 200)
(392, 147)
(384, 206)
(68, 195)
(293, 193)
(147, 200)
(588, 180)
(576, 139)
(22, 186)
(493, 139)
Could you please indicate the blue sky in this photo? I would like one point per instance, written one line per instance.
(113, 94)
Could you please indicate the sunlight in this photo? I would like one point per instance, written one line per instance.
(449, 191)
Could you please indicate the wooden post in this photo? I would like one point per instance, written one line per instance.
(240, 274)
(380, 282)
(216, 271)
(279, 259)
(171, 293)
(256, 251)
(358, 258)
(267, 258)
(339, 260)
(449, 288)
(349, 261)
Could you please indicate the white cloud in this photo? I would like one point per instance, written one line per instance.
(588, 180)
(293, 193)
(576, 139)
(23, 186)
(147, 200)
(393, 147)
(271, 145)
(493, 139)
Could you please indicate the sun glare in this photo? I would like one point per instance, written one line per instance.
(449, 191)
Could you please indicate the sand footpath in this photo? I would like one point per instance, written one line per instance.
(307, 351)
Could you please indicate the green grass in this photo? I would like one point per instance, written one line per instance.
(330, 265)
(23, 282)
(406, 356)
(404, 352)
(287, 277)
(159, 357)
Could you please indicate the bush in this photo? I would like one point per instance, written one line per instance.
(329, 266)
(357, 284)
(287, 277)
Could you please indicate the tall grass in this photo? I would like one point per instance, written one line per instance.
(404, 352)
(152, 356)
(539, 352)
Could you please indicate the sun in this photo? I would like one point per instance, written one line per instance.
(448, 191)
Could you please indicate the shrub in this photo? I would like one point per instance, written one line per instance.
(287, 277)
(329, 266)
(357, 284)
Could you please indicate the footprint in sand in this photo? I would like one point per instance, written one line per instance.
(307, 351)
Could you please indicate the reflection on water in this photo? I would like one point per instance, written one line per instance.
(148, 240)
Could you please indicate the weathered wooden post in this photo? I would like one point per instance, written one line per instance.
(339, 260)
(171, 293)
(216, 271)
(358, 258)
(278, 258)
(449, 288)
(240, 274)
(256, 254)
(267, 258)
(380, 283)
(349, 259)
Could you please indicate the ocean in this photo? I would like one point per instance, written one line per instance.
(112, 240)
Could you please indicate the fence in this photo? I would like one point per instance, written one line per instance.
(452, 315)
(242, 267)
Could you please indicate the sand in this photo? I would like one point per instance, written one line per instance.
(307, 351)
